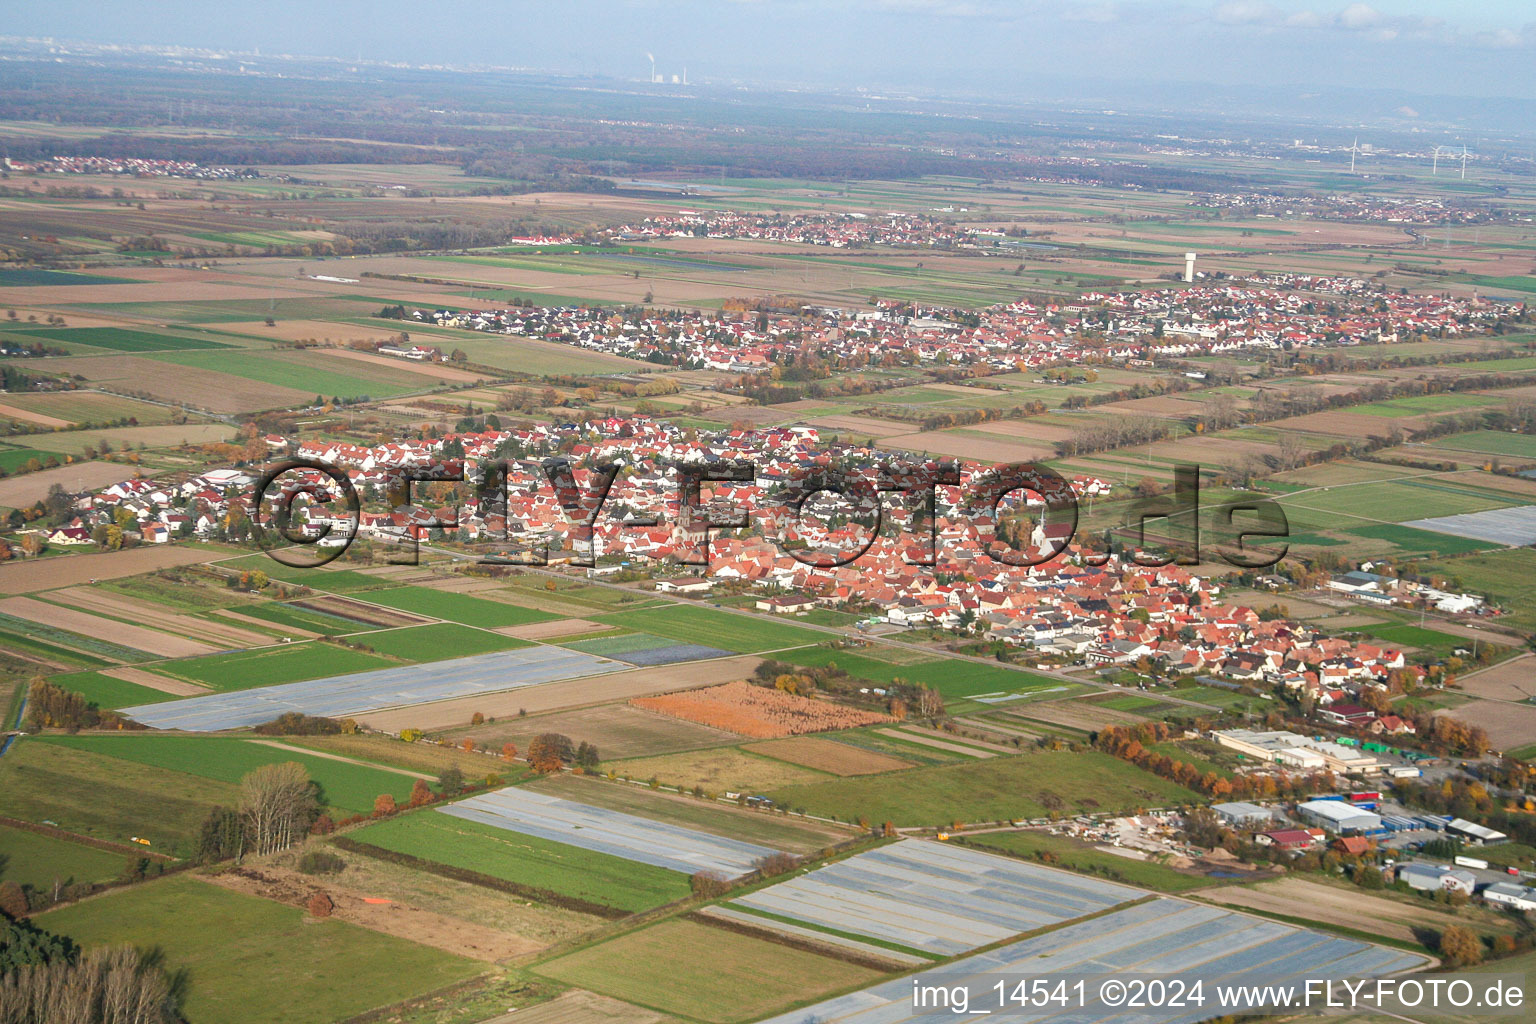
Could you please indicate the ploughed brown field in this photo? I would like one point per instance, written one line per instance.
(828, 756)
(757, 711)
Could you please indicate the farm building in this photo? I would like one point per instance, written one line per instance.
(1428, 878)
(1338, 816)
(1511, 895)
(1243, 815)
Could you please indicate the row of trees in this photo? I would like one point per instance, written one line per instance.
(278, 806)
(51, 706)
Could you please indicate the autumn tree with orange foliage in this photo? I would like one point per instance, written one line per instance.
(384, 805)
(550, 751)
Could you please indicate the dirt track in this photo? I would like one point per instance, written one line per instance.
(578, 1006)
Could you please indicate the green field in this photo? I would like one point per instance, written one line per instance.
(107, 798)
(27, 858)
(270, 367)
(89, 407)
(1412, 539)
(1417, 404)
(1030, 785)
(1492, 442)
(706, 973)
(349, 787)
(302, 618)
(251, 961)
(952, 677)
(1389, 501)
(268, 666)
(20, 277)
(471, 611)
(122, 339)
(620, 645)
(528, 860)
(107, 692)
(1075, 856)
(1405, 635)
(745, 634)
(439, 640)
(12, 459)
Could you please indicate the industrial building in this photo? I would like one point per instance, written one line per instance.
(1511, 895)
(1429, 878)
(1297, 751)
(1338, 816)
(1471, 831)
(1244, 815)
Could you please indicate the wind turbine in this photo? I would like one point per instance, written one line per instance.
(1463, 161)
(652, 58)
(1354, 147)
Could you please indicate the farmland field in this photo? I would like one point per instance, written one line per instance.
(703, 972)
(107, 798)
(683, 850)
(120, 339)
(827, 755)
(710, 627)
(264, 667)
(717, 770)
(438, 640)
(756, 711)
(108, 692)
(1403, 919)
(471, 611)
(935, 898)
(952, 677)
(617, 730)
(526, 860)
(350, 787)
(28, 858)
(270, 965)
(1491, 442)
(291, 372)
(728, 820)
(1028, 785)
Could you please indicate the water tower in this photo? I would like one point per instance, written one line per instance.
(1189, 268)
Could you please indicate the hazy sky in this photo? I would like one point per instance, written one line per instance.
(1466, 47)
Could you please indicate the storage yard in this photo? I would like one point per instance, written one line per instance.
(610, 832)
(359, 692)
(936, 898)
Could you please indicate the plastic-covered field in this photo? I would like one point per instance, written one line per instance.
(358, 692)
(611, 832)
(1513, 526)
(937, 898)
(646, 649)
(1164, 936)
